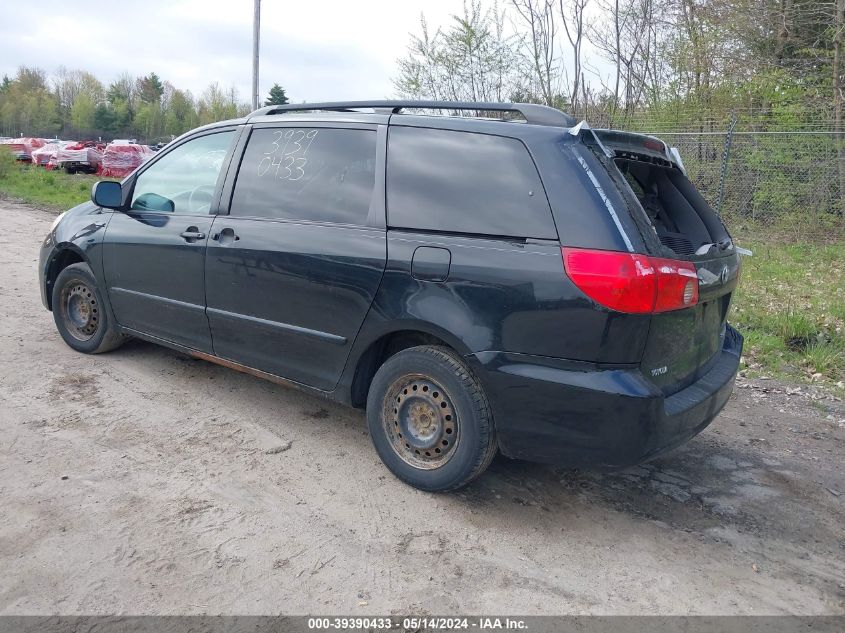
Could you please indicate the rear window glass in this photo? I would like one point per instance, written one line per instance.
(466, 183)
(314, 174)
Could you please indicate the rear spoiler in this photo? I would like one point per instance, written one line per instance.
(616, 142)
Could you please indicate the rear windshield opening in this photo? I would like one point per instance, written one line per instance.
(684, 222)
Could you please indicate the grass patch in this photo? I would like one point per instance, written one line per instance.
(790, 306)
(55, 189)
(795, 227)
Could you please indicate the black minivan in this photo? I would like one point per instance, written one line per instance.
(492, 277)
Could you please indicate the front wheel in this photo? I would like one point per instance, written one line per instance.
(430, 420)
(81, 316)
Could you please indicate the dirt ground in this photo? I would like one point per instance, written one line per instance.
(143, 481)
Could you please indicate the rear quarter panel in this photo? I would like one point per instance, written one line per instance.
(499, 296)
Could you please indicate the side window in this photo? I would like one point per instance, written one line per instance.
(183, 180)
(464, 182)
(317, 174)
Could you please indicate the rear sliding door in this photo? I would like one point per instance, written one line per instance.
(291, 271)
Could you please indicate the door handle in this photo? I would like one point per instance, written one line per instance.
(192, 234)
(226, 236)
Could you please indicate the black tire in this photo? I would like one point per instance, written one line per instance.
(82, 317)
(430, 420)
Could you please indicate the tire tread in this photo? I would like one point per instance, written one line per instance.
(487, 447)
(112, 337)
(482, 407)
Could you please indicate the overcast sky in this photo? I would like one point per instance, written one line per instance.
(316, 49)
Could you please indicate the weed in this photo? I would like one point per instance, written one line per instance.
(54, 189)
(791, 308)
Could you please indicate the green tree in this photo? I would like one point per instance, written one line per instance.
(217, 105)
(150, 88)
(28, 107)
(122, 89)
(277, 96)
(122, 117)
(149, 121)
(83, 114)
(105, 119)
(180, 115)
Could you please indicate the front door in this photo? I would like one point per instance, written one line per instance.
(153, 253)
(291, 271)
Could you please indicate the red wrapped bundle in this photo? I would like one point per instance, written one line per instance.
(82, 156)
(22, 148)
(46, 156)
(120, 159)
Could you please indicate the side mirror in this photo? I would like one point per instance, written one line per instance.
(108, 194)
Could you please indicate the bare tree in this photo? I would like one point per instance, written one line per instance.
(538, 16)
(572, 15)
(628, 39)
(472, 60)
(70, 84)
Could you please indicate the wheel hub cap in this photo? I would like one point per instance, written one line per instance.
(81, 311)
(420, 422)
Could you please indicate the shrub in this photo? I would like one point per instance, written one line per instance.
(7, 162)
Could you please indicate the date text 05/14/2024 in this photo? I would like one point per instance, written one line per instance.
(417, 623)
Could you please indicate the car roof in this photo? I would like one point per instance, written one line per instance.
(531, 112)
(416, 114)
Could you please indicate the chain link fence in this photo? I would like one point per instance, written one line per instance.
(750, 165)
(765, 175)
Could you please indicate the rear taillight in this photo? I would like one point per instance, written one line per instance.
(630, 282)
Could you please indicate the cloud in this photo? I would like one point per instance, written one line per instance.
(319, 50)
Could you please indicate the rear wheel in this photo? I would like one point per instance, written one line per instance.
(81, 316)
(429, 419)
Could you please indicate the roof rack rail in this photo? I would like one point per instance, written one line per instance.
(532, 112)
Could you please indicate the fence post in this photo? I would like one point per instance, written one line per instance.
(726, 154)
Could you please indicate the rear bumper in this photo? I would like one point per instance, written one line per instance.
(578, 415)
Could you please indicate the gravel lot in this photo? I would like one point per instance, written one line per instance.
(143, 481)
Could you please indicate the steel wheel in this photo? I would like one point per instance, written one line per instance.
(80, 310)
(422, 425)
(429, 418)
(82, 313)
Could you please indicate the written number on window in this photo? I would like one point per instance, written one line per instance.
(286, 157)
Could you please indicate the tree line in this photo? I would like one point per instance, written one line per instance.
(773, 68)
(685, 64)
(692, 66)
(75, 104)
(616, 61)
